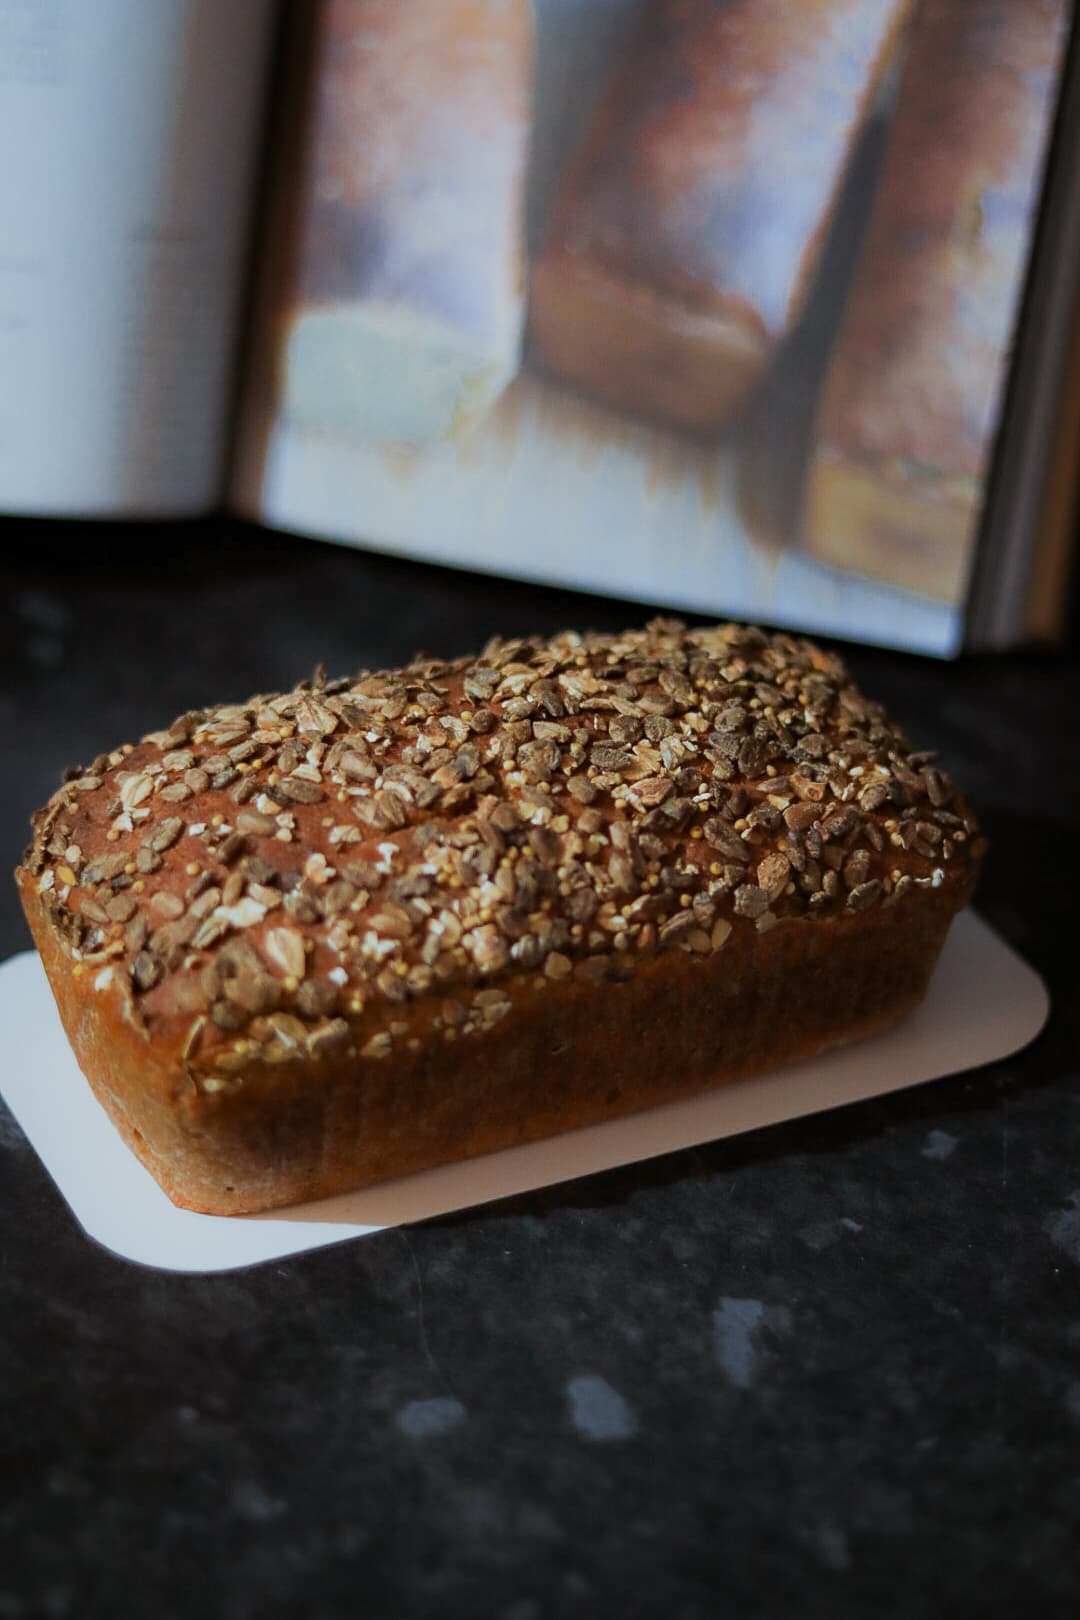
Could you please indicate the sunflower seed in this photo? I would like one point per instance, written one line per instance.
(284, 949)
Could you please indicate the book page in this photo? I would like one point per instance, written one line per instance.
(129, 135)
(686, 303)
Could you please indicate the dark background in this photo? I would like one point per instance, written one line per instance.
(840, 1358)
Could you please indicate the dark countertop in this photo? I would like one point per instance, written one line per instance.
(830, 1369)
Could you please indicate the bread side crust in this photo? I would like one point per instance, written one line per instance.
(576, 1056)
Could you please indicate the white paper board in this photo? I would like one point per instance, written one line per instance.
(983, 1004)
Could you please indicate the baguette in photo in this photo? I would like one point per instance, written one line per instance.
(688, 229)
(409, 312)
(905, 429)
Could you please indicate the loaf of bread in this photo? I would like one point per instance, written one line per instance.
(686, 234)
(411, 283)
(316, 940)
(911, 400)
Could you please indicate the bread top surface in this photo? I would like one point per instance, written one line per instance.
(284, 877)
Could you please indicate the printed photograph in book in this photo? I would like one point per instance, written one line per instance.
(704, 302)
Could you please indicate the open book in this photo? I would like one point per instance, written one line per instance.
(737, 306)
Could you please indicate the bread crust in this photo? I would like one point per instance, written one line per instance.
(561, 937)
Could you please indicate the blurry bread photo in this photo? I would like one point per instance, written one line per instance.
(409, 311)
(911, 399)
(688, 227)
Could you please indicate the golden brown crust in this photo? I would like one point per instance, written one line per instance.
(327, 937)
(687, 230)
(913, 390)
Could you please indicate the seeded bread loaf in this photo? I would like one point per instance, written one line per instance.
(688, 229)
(317, 940)
(910, 404)
(411, 279)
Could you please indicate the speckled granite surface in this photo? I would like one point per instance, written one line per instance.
(830, 1369)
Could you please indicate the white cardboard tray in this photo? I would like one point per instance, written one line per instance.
(983, 1004)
